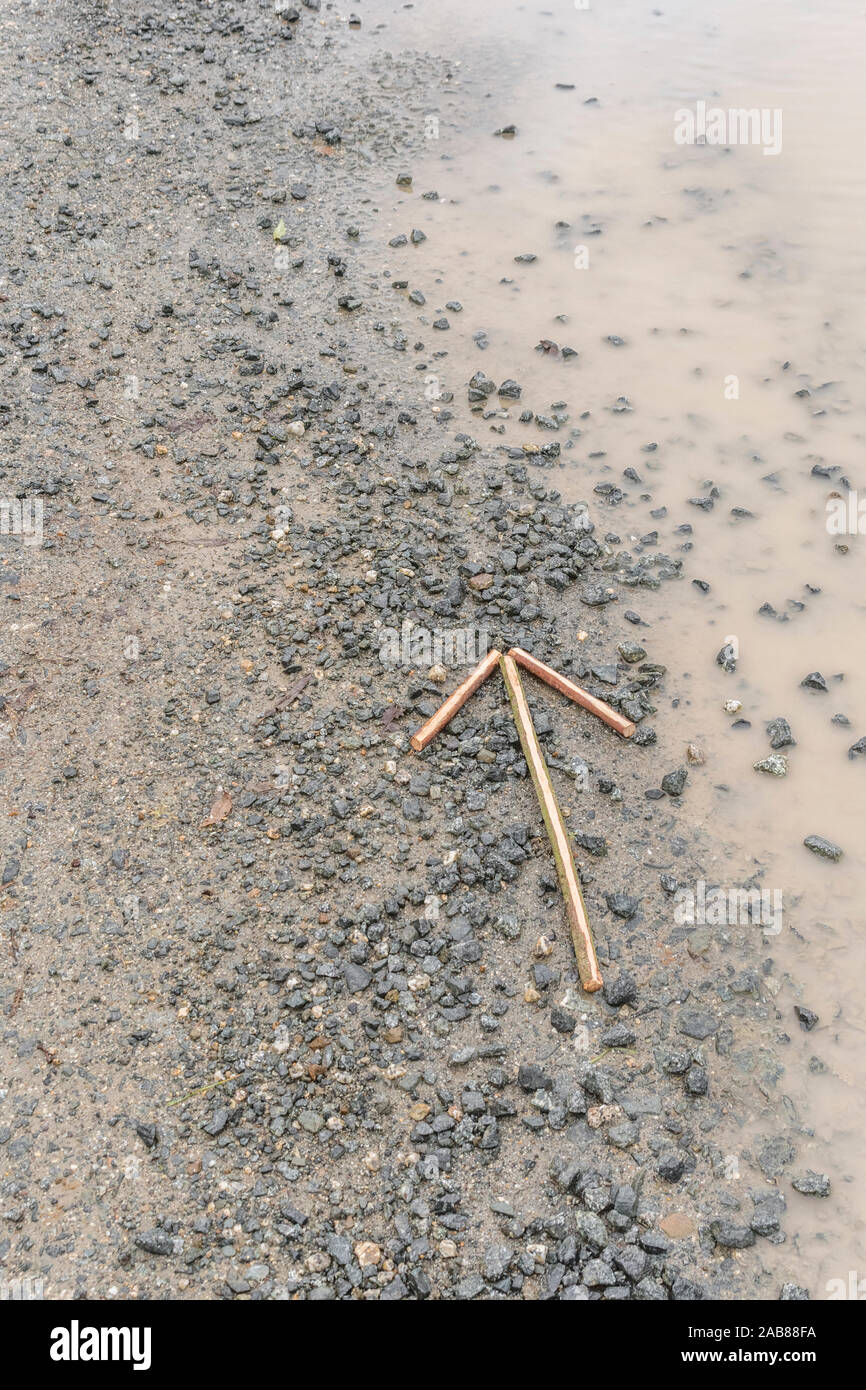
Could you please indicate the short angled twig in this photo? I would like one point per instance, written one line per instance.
(447, 711)
(574, 692)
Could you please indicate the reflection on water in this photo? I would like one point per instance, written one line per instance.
(713, 296)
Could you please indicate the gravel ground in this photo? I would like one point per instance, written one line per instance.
(289, 1011)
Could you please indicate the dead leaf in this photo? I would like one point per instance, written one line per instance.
(391, 715)
(24, 697)
(219, 810)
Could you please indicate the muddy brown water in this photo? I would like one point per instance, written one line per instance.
(734, 279)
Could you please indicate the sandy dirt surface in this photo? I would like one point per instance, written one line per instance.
(289, 1011)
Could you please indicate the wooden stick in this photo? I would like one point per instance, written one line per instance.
(445, 712)
(574, 692)
(581, 935)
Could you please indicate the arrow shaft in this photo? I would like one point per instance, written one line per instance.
(578, 921)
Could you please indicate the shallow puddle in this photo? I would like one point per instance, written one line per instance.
(713, 296)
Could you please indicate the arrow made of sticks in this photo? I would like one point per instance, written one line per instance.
(569, 883)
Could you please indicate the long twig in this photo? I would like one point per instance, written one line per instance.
(578, 921)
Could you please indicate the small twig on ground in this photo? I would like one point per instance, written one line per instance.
(291, 694)
(202, 1090)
